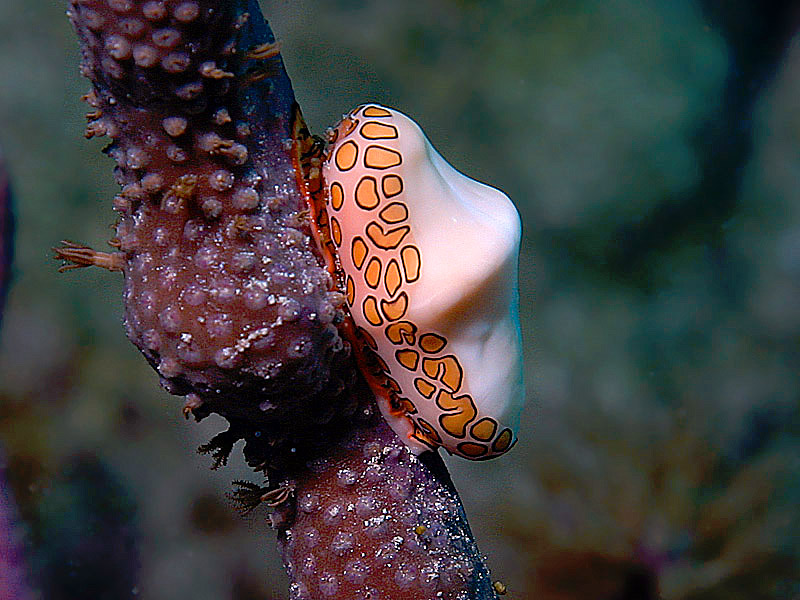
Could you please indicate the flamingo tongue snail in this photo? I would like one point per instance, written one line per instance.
(427, 259)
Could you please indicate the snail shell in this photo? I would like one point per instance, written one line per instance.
(428, 259)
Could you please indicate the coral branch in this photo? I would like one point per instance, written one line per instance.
(371, 520)
(224, 292)
(228, 297)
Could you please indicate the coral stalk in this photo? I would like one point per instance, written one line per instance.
(371, 520)
(223, 292)
(229, 299)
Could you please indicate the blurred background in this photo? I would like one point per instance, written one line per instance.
(653, 150)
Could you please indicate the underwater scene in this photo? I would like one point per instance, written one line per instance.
(651, 150)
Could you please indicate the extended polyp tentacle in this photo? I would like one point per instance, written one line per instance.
(77, 256)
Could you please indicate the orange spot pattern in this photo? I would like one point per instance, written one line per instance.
(336, 232)
(376, 111)
(382, 265)
(392, 185)
(337, 196)
(396, 212)
(447, 370)
(408, 358)
(424, 387)
(360, 251)
(371, 313)
(432, 343)
(484, 429)
(464, 411)
(411, 263)
(395, 309)
(378, 131)
(378, 157)
(350, 291)
(402, 332)
(393, 280)
(373, 273)
(346, 156)
(386, 239)
(367, 193)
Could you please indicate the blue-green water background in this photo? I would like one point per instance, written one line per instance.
(652, 150)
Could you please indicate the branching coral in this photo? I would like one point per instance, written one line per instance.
(228, 296)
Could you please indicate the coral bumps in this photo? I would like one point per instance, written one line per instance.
(223, 292)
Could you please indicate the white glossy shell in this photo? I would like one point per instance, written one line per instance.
(430, 260)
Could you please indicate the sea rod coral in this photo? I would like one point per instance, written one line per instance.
(232, 298)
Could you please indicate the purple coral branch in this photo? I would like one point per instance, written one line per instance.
(227, 297)
(371, 520)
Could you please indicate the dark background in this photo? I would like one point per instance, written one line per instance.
(652, 150)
